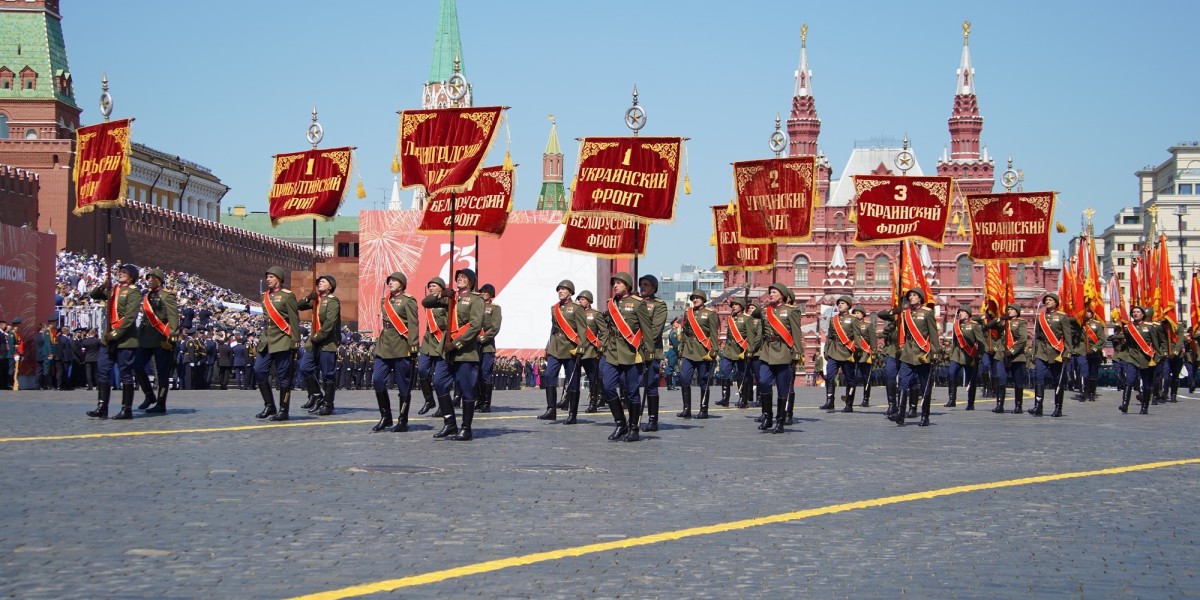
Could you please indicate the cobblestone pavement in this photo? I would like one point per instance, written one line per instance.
(280, 511)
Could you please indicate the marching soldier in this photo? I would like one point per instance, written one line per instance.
(567, 330)
(1144, 344)
(966, 345)
(394, 352)
(461, 350)
(1050, 342)
(1192, 357)
(1177, 340)
(740, 342)
(121, 341)
(696, 347)
(343, 367)
(156, 340)
(840, 348)
(1088, 349)
(782, 345)
(916, 329)
(593, 345)
(430, 354)
(891, 364)
(492, 318)
(322, 346)
(277, 345)
(626, 348)
(652, 369)
(864, 359)
(1010, 357)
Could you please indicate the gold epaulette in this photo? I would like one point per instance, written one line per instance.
(285, 291)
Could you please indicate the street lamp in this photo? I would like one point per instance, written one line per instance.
(1181, 211)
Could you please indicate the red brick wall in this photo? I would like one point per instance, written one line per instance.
(51, 160)
(18, 197)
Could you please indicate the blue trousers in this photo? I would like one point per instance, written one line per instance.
(653, 372)
(1011, 375)
(282, 363)
(1082, 367)
(162, 363)
(914, 376)
(701, 368)
(319, 360)
(384, 368)
(777, 376)
(735, 370)
(122, 359)
(568, 365)
(627, 377)
(847, 367)
(957, 373)
(487, 361)
(1046, 374)
(461, 374)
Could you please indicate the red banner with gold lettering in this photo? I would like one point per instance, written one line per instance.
(481, 210)
(101, 165)
(442, 149)
(630, 176)
(775, 198)
(607, 236)
(733, 254)
(309, 184)
(893, 208)
(1011, 227)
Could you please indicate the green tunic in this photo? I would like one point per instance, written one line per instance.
(594, 320)
(274, 339)
(560, 345)
(691, 347)
(1152, 333)
(748, 327)
(972, 342)
(492, 318)
(636, 314)
(1020, 336)
(124, 333)
(1060, 328)
(923, 320)
(165, 308)
(391, 344)
(835, 348)
(464, 331)
(867, 342)
(325, 338)
(775, 350)
(435, 312)
(658, 319)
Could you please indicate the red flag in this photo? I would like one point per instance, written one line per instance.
(995, 290)
(603, 235)
(912, 274)
(733, 254)
(775, 198)
(1120, 312)
(1165, 287)
(481, 210)
(101, 165)
(628, 176)
(1194, 303)
(1012, 226)
(1135, 283)
(442, 149)
(1092, 289)
(893, 208)
(309, 184)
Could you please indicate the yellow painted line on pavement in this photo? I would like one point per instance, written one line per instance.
(669, 536)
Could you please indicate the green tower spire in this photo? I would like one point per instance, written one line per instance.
(553, 195)
(33, 55)
(447, 44)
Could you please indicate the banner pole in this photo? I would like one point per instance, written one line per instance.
(450, 273)
(477, 271)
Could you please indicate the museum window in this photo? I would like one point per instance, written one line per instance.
(860, 270)
(801, 270)
(964, 271)
(883, 271)
(3, 127)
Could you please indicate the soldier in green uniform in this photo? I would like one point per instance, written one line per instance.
(917, 332)
(567, 324)
(1145, 343)
(120, 341)
(1177, 340)
(864, 358)
(697, 348)
(394, 351)
(741, 341)
(1010, 357)
(460, 347)
(652, 368)
(966, 346)
(157, 336)
(1088, 351)
(1051, 340)
(841, 343)
(430, 353)
(590, 349)
(782, 345)
(320, 351)
(626, 348)
(1191, 357)
(492, 318)
(277, 345)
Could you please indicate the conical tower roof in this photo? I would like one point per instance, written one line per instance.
(447, 44)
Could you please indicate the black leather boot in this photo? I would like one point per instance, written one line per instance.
(744, 392)
(426, 393)
(1018, 397)
(1037, 407)
(685, 390)
(890, 388)
(551, 405)
(593, 399)
(1000, 393)
(704, 392)
(325, 405)
(866, 401)
(484, 403)
(402, 415)
(952, 391)
(562, 402)
(848, 399)
(1090, 385)
(1058, 402)
(652, 413)
(385, 410)
(143, 382)
(127, 393)
(970, 397)
(264, 388)
(830, 392)
(449, 423)
(913, 400)
(464, 432)
(572, 408)
(103, 393)
(1146, 395)
(160, 405)
(618, 412)
(285, 400)
(724, 401)
(635, 415)
(781, 414)
(901, 408)
(764, 399)
(1125, 394)
(314, 394)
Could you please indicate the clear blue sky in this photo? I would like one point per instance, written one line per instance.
(1080, 94)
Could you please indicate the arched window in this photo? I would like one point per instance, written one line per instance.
(31, 134)
(883, 271)
(860, 270)
(838, 220)
(3, 127)
(964, 271)
(1020, 274)
(801, 269)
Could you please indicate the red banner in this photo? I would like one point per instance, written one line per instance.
(481, 210)
(441, 150)
(1011, 227)
(603, 235)
(775, 198)
(892, 208)
(732, 253)
(628, 176)
(308, 184)
(101, 165)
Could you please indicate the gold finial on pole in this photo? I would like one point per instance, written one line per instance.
(1088, 213)
(966, 31)
(803, 34)
(552, 123)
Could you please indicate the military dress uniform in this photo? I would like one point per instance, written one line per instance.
(321, 349)
(567, 330)
(461, 351)
(890, 354)
(782, 346)
(1145, 344)
(593, 345)
(276, 348)
(493, 317)
(1177, 340)
(394, 351)
(1051, 340)
(864, 359)
(654, 363)
(431, 353)
(841, 345)
(1010, 358)
(626, 349)
(741, 342)
(121, 343)
(1192, 358)
(917, 331)
(966, 346)
(1088, 351)
(697, 348)
(156, 340)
